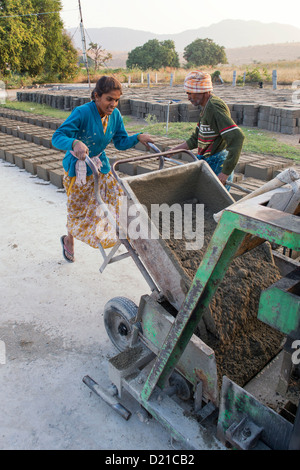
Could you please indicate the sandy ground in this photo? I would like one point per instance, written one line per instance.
(52, 327)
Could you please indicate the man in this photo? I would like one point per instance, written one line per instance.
(218, 139)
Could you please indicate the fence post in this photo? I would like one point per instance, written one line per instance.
(274, 79)
(244, 78)
(148, 80)
(172, 78)
(234, 78)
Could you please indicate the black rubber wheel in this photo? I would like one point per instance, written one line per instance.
(118, 313)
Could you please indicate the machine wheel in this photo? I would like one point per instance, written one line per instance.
(118, 313)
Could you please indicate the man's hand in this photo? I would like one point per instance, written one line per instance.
(222, 177)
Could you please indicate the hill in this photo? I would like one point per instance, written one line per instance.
(227, 33)
(267, 53)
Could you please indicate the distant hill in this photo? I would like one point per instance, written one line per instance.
(236, 56)
(227, 33)
(265, 53)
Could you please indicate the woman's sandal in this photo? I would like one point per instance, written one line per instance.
(66, 253)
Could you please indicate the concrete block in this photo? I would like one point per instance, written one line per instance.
(245, 159)
(262, 170)
(56, 177)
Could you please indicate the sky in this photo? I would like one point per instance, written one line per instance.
(175, 16)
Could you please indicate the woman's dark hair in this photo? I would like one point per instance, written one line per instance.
(105, 85)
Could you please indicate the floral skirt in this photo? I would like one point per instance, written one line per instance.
(85, 219)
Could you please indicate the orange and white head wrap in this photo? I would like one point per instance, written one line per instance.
(197, 82)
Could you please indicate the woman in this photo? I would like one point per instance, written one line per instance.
(88, 131)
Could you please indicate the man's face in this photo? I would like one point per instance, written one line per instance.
(197, 98)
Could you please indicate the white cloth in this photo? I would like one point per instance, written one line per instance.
(81, 168)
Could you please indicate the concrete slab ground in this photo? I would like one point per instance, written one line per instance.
(52, 327)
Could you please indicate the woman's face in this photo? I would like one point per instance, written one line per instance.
(107, 102)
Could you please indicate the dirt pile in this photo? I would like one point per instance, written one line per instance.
(243, 345)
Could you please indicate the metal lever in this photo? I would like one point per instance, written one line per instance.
(109, 398)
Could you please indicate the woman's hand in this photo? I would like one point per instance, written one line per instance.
(80, 150)
(145, 138)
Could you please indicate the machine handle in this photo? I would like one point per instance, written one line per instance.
(161, 155)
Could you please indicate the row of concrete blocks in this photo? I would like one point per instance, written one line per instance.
(65, 102)
(24, 148)
(247, 114)
(47, 165)
(29, 146)
(284, 120)
(28, 132)
(35, 159)
(34, 119)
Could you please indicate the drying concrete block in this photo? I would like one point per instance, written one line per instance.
(56, 177)
(243, 160)
(263, 170)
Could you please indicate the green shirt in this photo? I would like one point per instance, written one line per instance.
(217, 131)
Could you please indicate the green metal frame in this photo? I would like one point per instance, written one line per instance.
(245, 218)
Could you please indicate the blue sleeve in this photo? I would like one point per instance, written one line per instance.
(121, 140)
(64, 136)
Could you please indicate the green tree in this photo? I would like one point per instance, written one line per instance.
(204, 52)
(21, 47)
(60, 56)
(33, 42)
(153, 55)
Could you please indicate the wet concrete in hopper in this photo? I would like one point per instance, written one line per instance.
(243, 344)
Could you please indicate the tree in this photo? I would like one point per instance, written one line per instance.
(153, 55)
(33, 42)
(21, 46)
(204, 52)
(98, 55)
(60, 55)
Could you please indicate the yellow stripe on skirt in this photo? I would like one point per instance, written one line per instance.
(85, 219)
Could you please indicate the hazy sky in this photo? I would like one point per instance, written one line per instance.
(175, 16)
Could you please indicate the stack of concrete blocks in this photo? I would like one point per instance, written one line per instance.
(163, 111)
(78, 101)
(124, 106)
(188, 112)
(284, 120)
(250, 115)
(237, 113)
(290, 121)
(138, 108)
(271, 115)
(263, 117)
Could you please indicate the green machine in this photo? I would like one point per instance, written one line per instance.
(170, 371)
